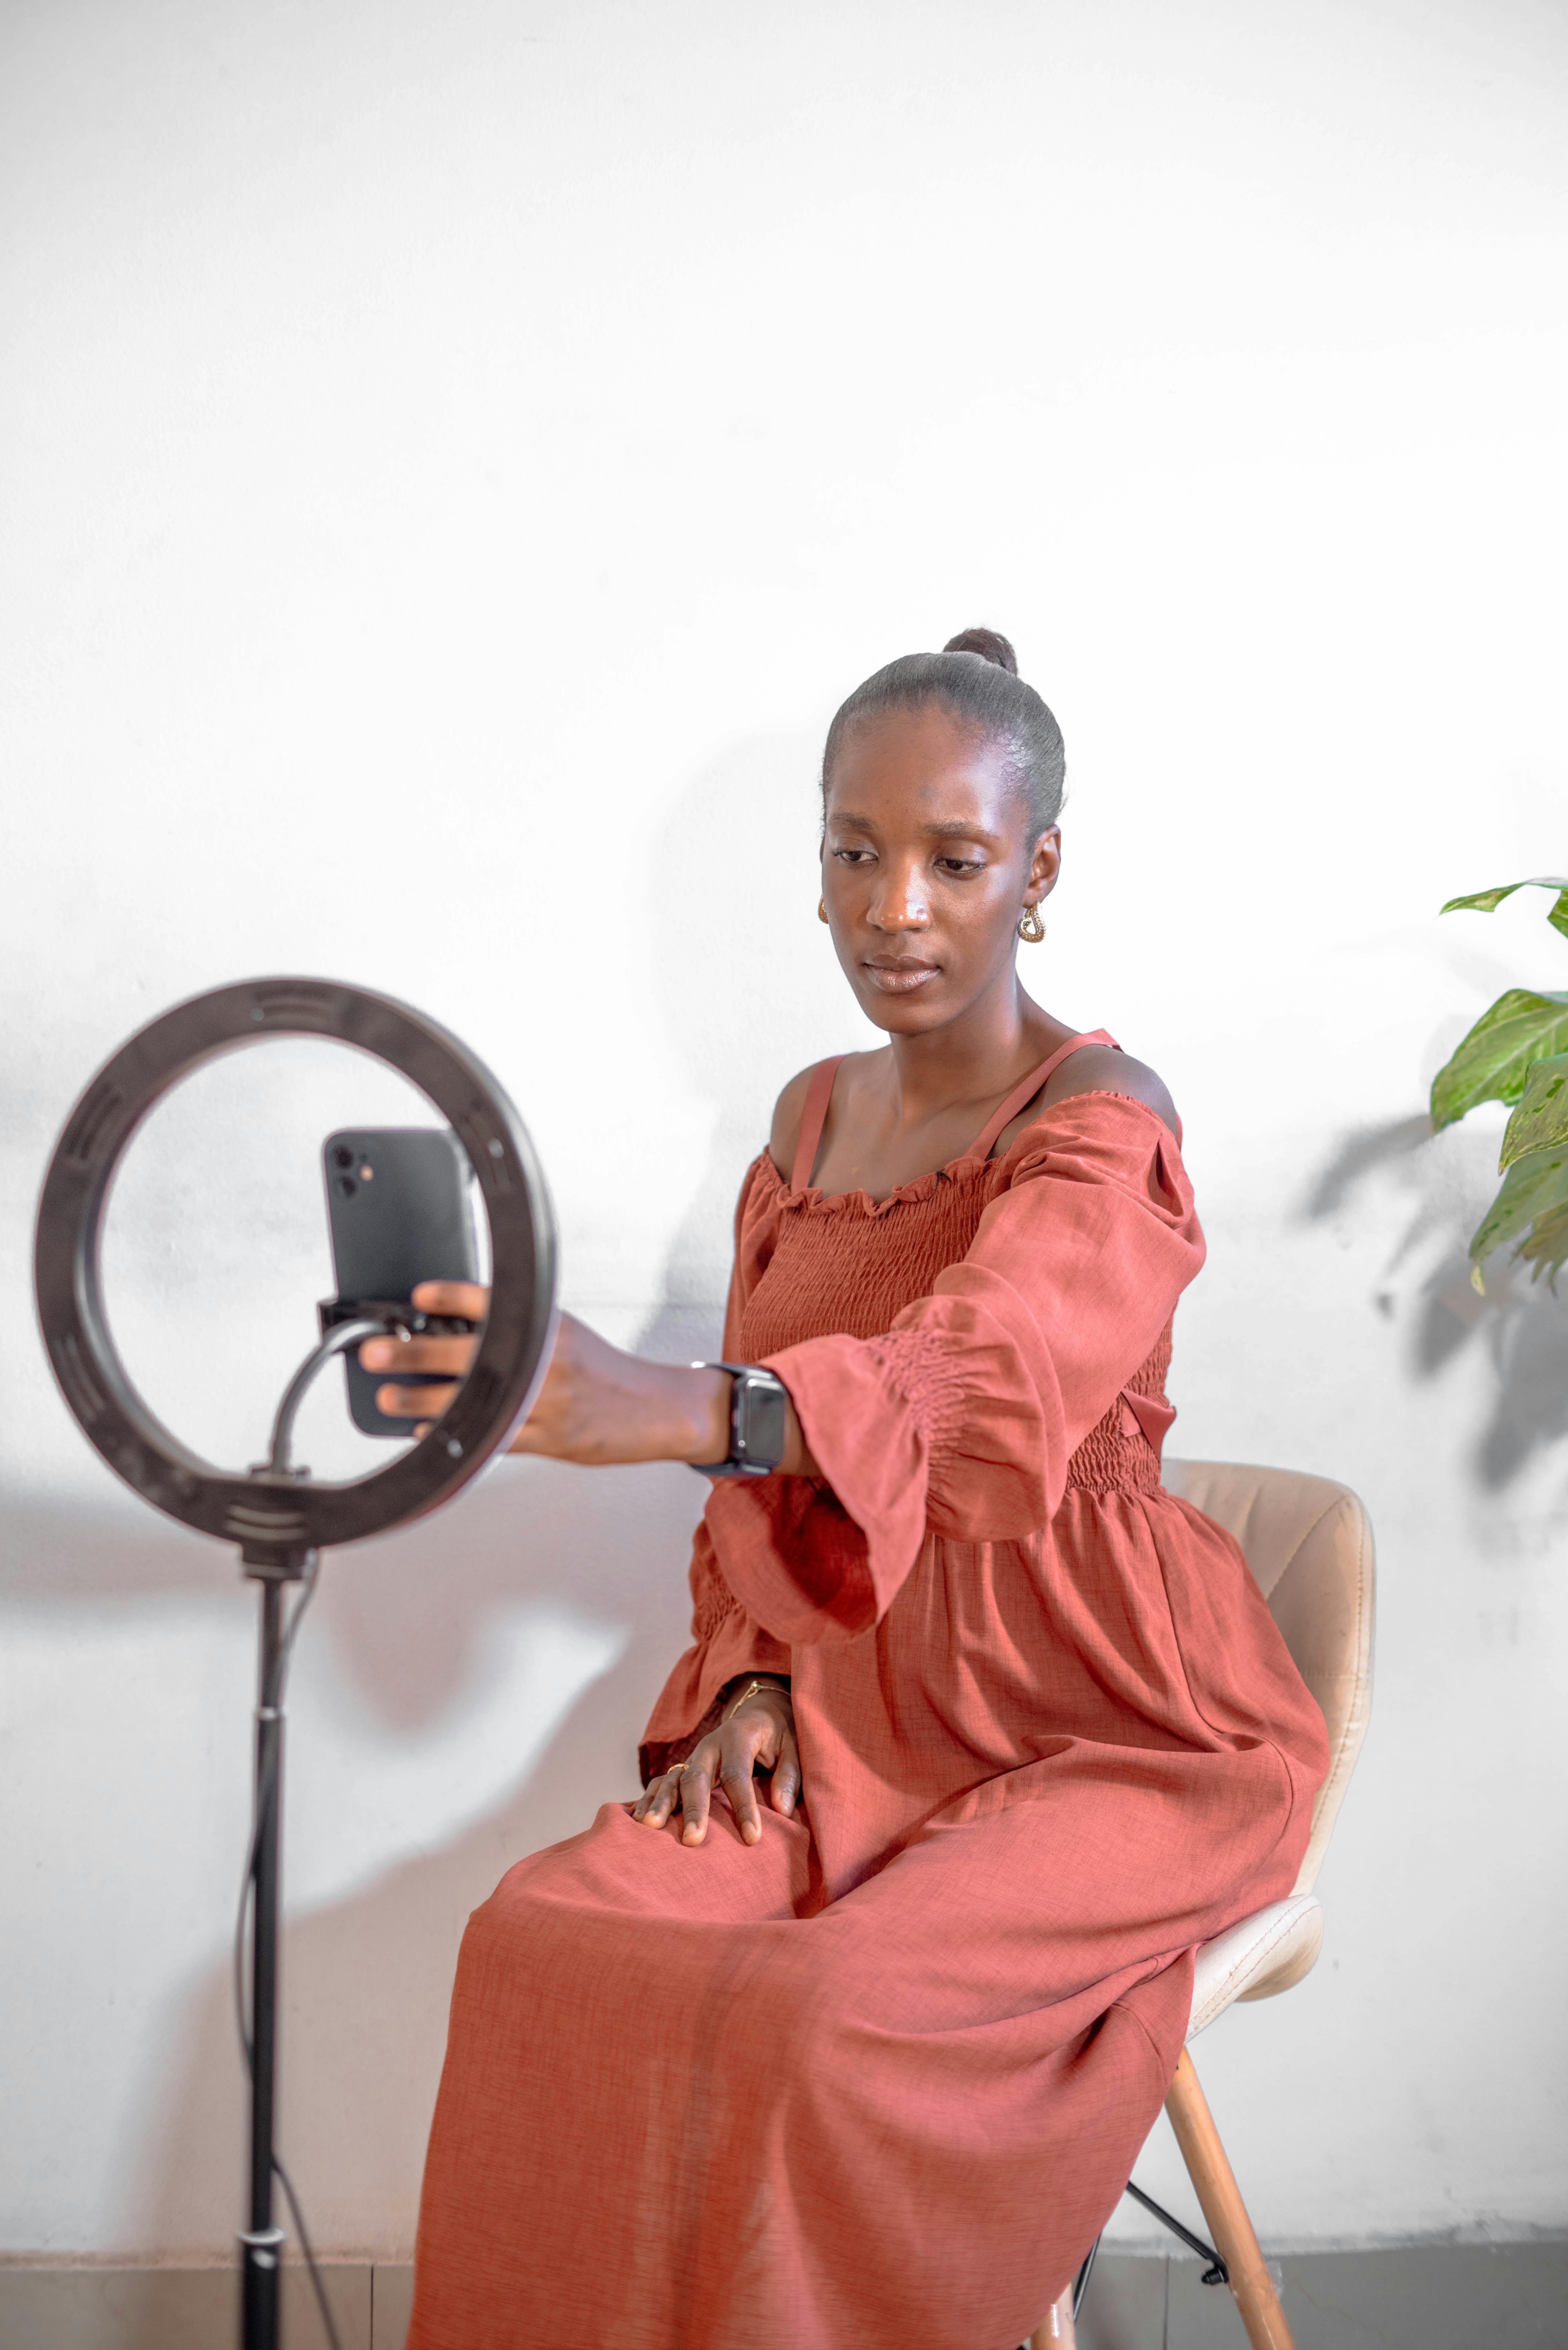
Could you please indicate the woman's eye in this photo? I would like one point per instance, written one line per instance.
(851, 856)
(959, 864)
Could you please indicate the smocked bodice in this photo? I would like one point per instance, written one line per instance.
(847, 1264)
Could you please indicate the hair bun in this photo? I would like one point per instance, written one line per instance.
(987, 645)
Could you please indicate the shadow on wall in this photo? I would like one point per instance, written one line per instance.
(738, 862)
(367, 1979)
(1442, 1183)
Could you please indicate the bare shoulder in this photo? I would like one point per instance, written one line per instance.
(788, 1111)
(1100, 1068)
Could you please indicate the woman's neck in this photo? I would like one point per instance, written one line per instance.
(977, 1057)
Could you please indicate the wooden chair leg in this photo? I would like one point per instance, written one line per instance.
(1058, 2332)
(1218, 2192)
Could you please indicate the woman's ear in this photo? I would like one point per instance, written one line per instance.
(1044, 865)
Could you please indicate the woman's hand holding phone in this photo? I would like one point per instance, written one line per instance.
(596, 1405)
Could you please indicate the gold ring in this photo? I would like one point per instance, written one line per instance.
(673, 1770)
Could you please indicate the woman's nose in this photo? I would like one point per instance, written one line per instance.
(900, 905)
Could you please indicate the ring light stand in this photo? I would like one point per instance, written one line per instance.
(281, 1518)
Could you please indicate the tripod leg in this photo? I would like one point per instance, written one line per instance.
(261, 2244)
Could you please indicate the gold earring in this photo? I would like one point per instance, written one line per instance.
(1029, 925)
(821, 910)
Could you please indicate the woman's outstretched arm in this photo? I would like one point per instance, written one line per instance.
(599, 1405)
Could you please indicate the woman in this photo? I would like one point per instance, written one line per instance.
(868, 2061)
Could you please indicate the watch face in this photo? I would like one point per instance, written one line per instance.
(762, 1405)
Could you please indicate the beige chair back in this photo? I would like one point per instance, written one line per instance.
(1309, 1545)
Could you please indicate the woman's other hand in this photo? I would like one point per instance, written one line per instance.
(758, 1736)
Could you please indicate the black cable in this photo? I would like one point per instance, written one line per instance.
(342, 1336)
(308, 2249)
(264, 1794)
(1216, 2272)
(1081, 2285)
(336, 1341)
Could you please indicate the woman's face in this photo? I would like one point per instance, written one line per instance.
(927, 861)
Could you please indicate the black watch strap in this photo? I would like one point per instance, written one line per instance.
(759, 1422)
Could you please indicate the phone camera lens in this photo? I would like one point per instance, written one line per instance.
(348, 1186)
(343, 1157)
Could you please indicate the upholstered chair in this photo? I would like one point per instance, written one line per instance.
(1309, 1545)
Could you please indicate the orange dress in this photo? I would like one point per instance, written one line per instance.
(880, 2079)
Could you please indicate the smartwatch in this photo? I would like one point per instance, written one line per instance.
(759, 1422)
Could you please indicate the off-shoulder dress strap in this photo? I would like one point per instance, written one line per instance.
(1024, 1094)
(814, 1117)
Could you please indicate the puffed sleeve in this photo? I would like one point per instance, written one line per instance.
(727, 1642)
(961, 1418)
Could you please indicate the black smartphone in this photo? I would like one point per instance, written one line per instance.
(400, 1208)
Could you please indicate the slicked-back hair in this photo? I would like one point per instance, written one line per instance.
(975, 676)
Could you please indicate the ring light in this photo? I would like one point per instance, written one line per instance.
(274, 1517)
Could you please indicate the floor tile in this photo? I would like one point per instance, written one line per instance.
(1421, 2297)
(1124, 2308)
(391, 2299)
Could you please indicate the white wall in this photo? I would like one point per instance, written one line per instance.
(455, 457)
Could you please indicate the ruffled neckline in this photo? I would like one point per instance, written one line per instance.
(921, 1186)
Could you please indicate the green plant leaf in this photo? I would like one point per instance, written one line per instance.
(1545, 1246)
(1486, 901)
(1541, 1121)
(1528, 1210)
(1494, 1062)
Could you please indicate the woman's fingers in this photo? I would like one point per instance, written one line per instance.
(786, 1775)
(752, 1736)
(465, 1297)
(452, 1356)
(413, 1403)
(419, 1402)
(657, 1800)
(696, 1793)
(741, 1787)
(742, 1739)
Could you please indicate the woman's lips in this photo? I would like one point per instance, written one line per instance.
(891, 978)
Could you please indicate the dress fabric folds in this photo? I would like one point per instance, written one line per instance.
(880, 2079)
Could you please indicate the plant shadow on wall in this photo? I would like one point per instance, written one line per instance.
(1450, 1260)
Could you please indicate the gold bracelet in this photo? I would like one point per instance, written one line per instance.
(751, 1689)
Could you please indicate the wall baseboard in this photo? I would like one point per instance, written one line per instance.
(1423, 2296)
(106, 2308)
